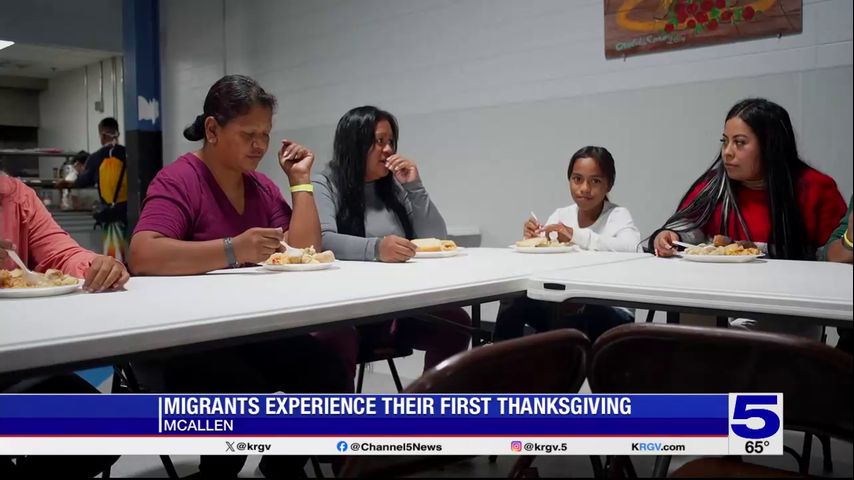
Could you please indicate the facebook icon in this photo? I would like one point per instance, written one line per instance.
(342, 446)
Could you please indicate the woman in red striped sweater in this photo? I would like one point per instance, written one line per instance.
(758, 189)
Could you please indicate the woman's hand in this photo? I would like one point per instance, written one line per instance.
(394, 249)
(105, 273)
(404, 170)
(296, 162)
(664, 243)
(564, 233)
(531, 228)
(257, 244)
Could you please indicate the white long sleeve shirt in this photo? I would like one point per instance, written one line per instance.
(613, 231)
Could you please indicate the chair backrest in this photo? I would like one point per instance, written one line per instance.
(553, 362)
(815, 379)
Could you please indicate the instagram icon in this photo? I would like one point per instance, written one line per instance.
(516, 446)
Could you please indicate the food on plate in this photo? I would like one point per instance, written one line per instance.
(533, 242)
(748, 244)
(309, 255)
(718, 247)
(721, 240)
(434, 245)
(51, 278)
(540, 242)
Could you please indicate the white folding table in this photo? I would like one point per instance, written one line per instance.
(815, 292)
(161, 313)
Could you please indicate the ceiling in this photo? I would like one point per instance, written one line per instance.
(36, 61)
(91, 24)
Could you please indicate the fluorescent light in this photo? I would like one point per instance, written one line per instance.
(5, 43)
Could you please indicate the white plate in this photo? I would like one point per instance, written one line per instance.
(39, 292)
(443, 254)
(298, 267)
(721, 258)
(569, 248)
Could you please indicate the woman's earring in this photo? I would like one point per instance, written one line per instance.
(212, 140)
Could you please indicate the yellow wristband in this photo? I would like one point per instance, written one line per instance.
(305, 187)
(847, 240)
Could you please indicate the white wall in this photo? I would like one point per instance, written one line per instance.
(192, 59)
(68, 117)
(493, 96)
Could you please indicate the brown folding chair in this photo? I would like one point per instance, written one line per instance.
(815, 379)
(553, 362)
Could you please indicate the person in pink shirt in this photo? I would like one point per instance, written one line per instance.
(29, 229)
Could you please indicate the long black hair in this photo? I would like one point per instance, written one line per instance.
(782, 165)
(354, 137)
(231, 96)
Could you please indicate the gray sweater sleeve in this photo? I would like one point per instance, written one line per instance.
(426, 219)
(345, 247)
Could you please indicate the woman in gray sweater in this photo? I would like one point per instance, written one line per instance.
(371, 203)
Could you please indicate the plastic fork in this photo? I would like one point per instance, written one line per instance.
(291, 251)
(31, 276)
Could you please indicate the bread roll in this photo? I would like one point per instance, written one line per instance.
(428, 244)
(325, 257)
(532, 242)
(448, 245)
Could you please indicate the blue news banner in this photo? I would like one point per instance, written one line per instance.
(727, 424)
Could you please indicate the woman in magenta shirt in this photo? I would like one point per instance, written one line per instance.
(209, 210)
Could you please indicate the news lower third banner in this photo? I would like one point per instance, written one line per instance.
(727, 424)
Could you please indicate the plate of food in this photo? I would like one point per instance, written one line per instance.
(436, 248)
(304, 259)
(723, 250)
(543, 245)
(13, 284)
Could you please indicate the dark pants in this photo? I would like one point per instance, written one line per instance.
(438, 340)
(592, 320)
(293, 365)
(53, 466)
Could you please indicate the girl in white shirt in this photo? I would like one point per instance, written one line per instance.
(592, 223)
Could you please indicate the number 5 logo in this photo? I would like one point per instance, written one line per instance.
(750, 406)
